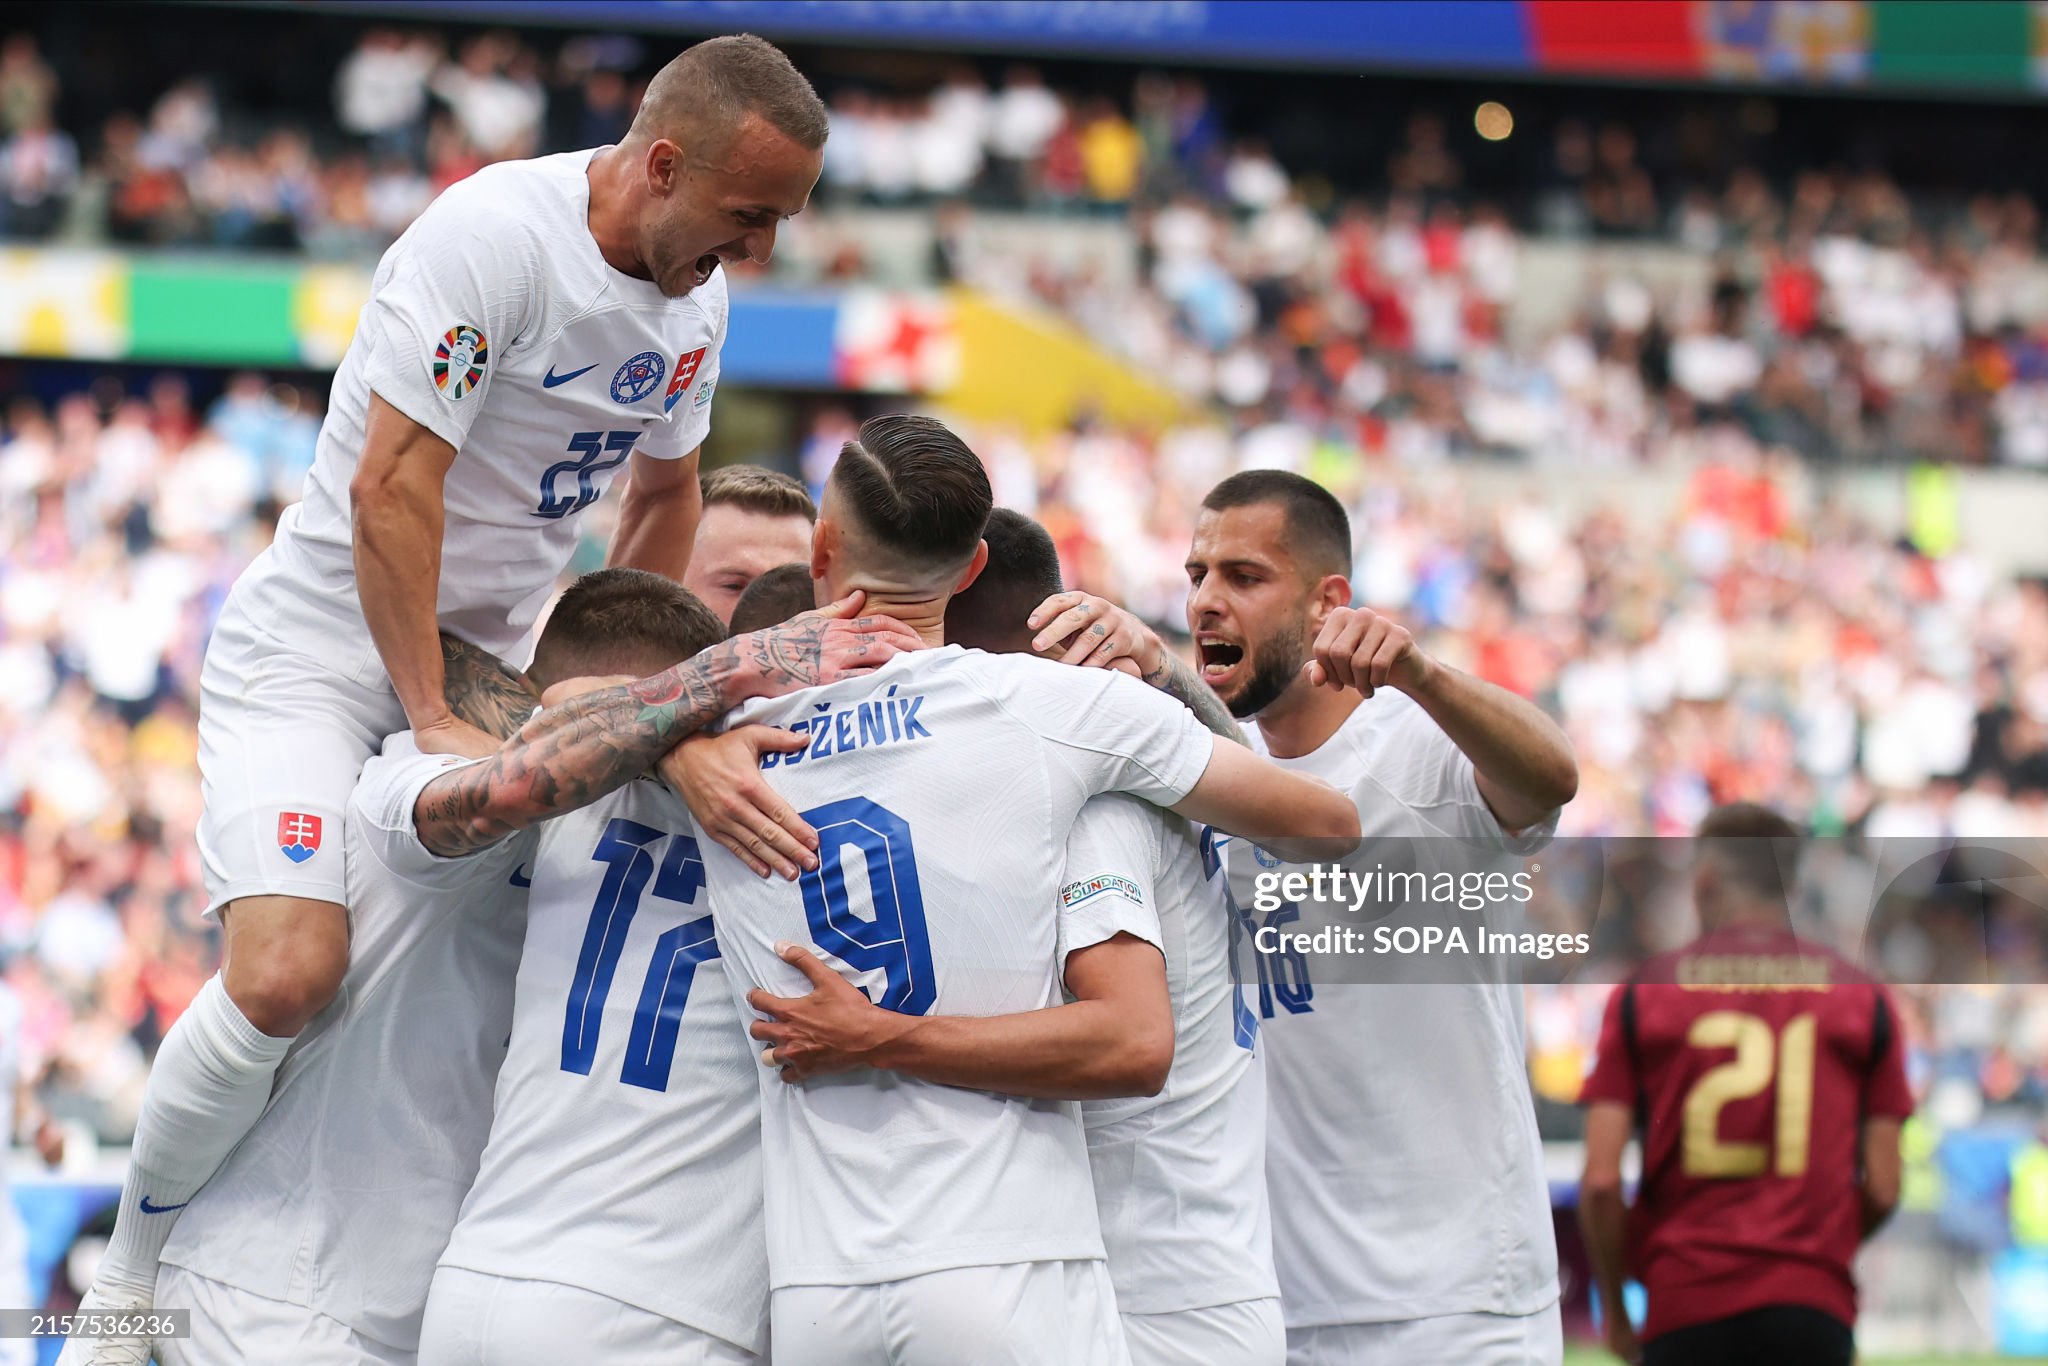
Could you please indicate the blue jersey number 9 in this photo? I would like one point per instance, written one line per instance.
(894, 942)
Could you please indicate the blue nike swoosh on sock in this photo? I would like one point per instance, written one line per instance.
(148, 1208)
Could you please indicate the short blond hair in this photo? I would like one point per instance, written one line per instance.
(753, 488)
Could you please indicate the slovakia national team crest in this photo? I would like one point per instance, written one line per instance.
(298, 835)
(638, 377)
(686, 370)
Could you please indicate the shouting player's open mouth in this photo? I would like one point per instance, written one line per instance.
(1220, 658)
(706, 263)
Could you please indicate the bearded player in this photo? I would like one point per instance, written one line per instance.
(1411, 1219)
(542, 325)
(1766, 1077)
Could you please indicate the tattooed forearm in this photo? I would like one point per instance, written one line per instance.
(484, 690)
(569, 756)
(1179, 681)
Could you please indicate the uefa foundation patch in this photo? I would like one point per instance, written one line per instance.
(1078, 893)
(460, 359)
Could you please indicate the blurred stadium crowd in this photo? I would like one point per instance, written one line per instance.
(1840, 319)
(1747, 643)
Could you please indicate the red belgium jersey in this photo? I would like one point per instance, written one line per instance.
(1751, 1059)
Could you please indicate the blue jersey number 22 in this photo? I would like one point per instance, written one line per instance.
(627, 851)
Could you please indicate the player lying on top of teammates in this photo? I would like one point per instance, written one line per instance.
(1769, 1077)
(914, 1222)
(1179, 1172)
(543, 326)
(315, 1242)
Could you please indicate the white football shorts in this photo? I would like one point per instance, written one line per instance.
(1247, 1333)
(1021, 1314)
(281, 739)
(479, 1320)
(231, 1325)
(1467, 1339)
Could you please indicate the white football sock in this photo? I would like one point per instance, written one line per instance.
(210, 1082)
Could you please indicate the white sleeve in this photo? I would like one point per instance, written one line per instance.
(1117, 734)
(1427, 771)
(690, 421)
(380, 823)
(1108, 886)
(464, 283)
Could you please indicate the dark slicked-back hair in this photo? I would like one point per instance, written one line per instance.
(622, 621)
(754, 488)
(773, 598)
(1318, 529)
(915, 488)
(1754, 845)
(707, 91)
(1023, 570)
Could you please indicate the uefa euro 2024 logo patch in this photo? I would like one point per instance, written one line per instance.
(298, 835)
(460, 359)
(1079, 893)
(638, 377)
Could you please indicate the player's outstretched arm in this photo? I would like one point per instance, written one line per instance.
(1114, 1039)
(483, 690)
(1603, 1215)
(1299, 818)
(571, 755)
(658, 516)
(1098, 634)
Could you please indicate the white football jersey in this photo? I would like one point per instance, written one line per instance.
(942, 787)
(343, 1194)
(1180, 1179)
(1402, 1159)
(495, 323)
(625, 1153)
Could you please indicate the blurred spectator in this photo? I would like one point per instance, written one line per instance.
(1112, 153)
(381, 91)
(494, 91)
(1023, 120)
(38, 173)
(1251, 177)
(1424, 164)
(28, 88)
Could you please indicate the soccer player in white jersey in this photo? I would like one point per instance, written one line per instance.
(754, 519)
(541, 325)
(911, 1222)
(1411, 1220)
(316, 1241)
(1179, 1172)
(616, 1214)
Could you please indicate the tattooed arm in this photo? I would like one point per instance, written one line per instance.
(571, 755)
(1178, 680)
(484, 690)
(1099, 634)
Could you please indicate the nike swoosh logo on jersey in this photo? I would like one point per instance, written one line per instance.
(521, 878)
(551, 379)
(148, 1208)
